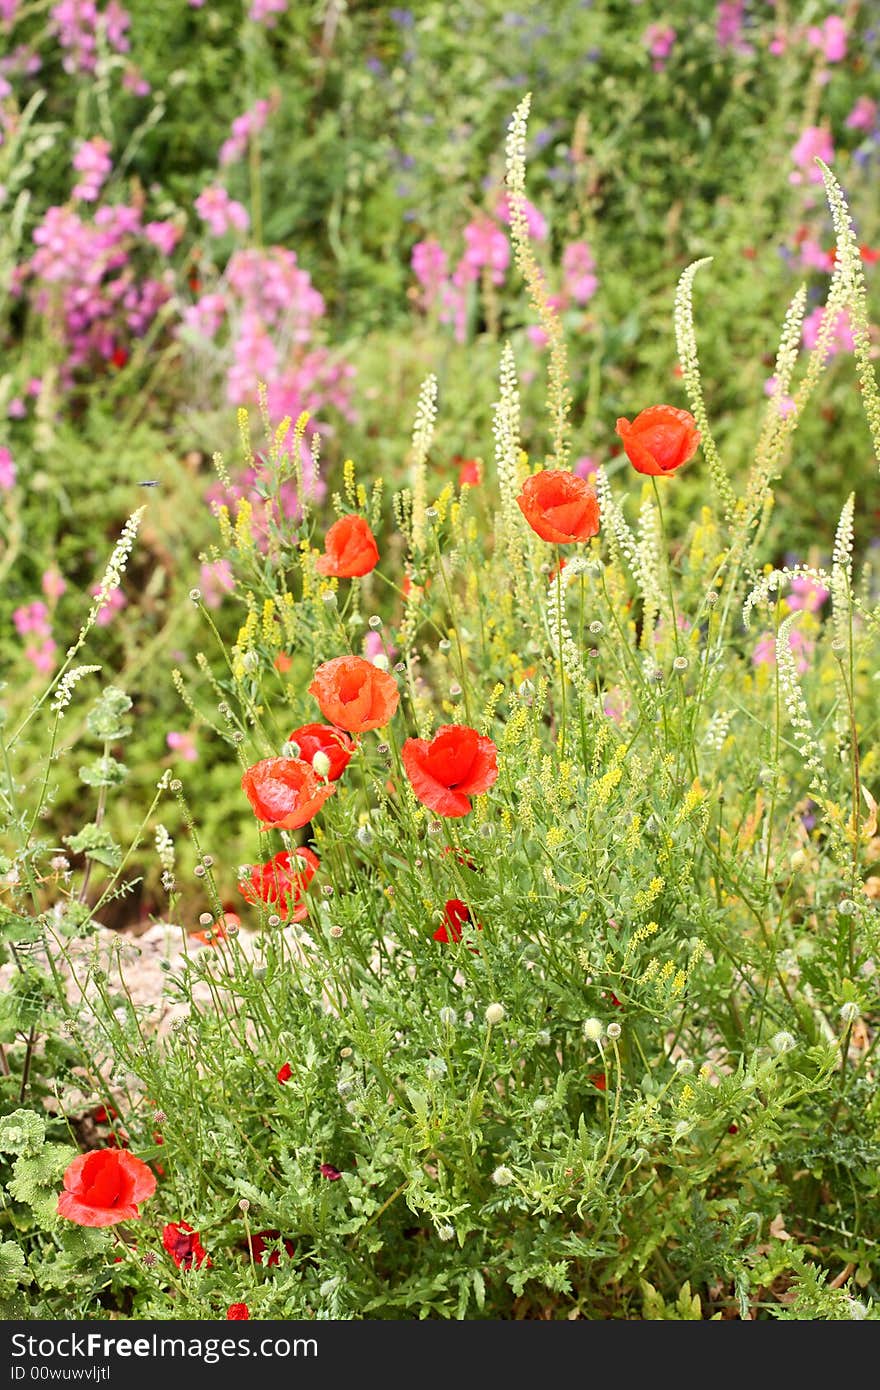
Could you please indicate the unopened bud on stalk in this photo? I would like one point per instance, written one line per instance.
(321, 764)
(494, 1014)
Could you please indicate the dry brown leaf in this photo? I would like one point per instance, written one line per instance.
(777, 1228)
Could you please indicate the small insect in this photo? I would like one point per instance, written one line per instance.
(150, 482)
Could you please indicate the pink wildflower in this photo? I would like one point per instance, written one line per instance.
(430, 266)
(216, 579)
(115, 600)
(578, 265)
(7, 470)
(220, 212)
(659, 40)
(807, 594)
(536, 222)
(184, 745)
(53, 585)
(266, 11)
(93, 163)
(830, 37)
(486, 248)
(863, 115)
(815, 142)
(163, 235)
(842, 338)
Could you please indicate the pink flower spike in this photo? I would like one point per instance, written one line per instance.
(184, 745)
(53, 585)
(7, 471)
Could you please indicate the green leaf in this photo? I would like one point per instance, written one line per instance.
(104, 772)
(36, 1181)
(104, 719)
(14, 927)
(96, 843)
(13, 1268)
(22, 1133)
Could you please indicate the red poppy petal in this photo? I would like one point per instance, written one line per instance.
(483, 771)
(451, 753)
(70, 1207)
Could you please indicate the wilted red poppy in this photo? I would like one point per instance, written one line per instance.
(456, 915)
(285, 792)
(355, 694)
(323, 738)
(258, 1246)
(559, 506)
(278, 882)
(184, 1246)
(105, 1187)
(454, 766)
(284, 1073)
(660, 439)
(350, 549)
(330, 1173)
(237, 1312)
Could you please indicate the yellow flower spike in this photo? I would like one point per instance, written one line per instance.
(244, 434)
(221, 512)
(244, 535)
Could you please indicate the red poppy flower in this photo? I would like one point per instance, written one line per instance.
(184, 1246)
(218, 931)
(599, 1080)
(119, 357)
(456, 765)
(559, 506)
(350, 549)
(456, 915)
(355, 694)
(277, 882)
(282, 663)
(323, 738)
(470, 471)
(258, 1247)
(284, 1073)
(330, 1173)
(660, 439)
(237, 1312)
(105, 1187)
(284, 792)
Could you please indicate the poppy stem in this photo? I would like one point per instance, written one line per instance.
(560, 599)
(670, 585)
